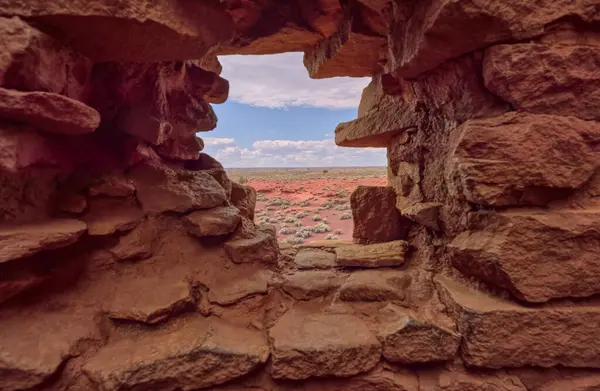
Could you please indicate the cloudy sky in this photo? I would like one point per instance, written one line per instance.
(276, 116)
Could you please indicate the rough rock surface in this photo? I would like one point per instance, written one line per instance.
(244, 198)
(375, 285)
(498, 333)
(25, 240)
(372, 255)
(217, 221)
(163, 189)
(235, 289)
(306, 285)
(536, 255)
(260, 248)
(349, 52)
(201, 353)
(410, 340)
(487, 109)
(62, 334)
(504, 160)
(141, 301)
(546, 79)
(375, 216)
(312, 344)
(35, 61)
(315, 259)
(109, 215)
(49, 112)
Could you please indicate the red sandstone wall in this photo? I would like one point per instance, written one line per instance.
(129, 261)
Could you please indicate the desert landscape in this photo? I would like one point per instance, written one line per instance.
(307, 204)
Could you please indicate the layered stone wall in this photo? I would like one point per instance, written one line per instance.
(129, 261)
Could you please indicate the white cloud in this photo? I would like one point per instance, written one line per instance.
(218, 140)
(288, 153)
(280, 81)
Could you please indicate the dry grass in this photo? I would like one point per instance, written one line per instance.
(306, 173)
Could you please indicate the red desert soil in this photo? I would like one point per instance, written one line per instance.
(310, 203)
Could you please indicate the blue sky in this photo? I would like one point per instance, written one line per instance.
(276, 116)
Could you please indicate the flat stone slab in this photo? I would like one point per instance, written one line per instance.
(408, 339)
(33, 346)
(160, 189)
(28, 239)
(149, 300)
(221, 220)
(49, 112)
(314, 259)
(498, 333)
(109, 215)
(372, 255)
(310, 284)
(306, 344)
(202, 352)
(235, 289)
(537, 256)
(260, 248)
(376, 285)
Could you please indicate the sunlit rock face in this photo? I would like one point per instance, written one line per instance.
(130, 261)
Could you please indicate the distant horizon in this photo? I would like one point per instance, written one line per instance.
(302, 168)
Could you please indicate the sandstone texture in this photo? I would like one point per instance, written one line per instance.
(315, 259)
(213, 222)
(202, 353)
(372, 255)
(129, 260)
(260, 248)
(498, 333)
(537, 256)
(25, 240)
(375, 216)
(504, 160)
(375, 285)
(306, 345)
(306, 285)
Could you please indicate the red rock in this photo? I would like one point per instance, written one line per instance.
(546, 79)
(498, 333)
(34, 61)
(349, 52)
(234, 289)
(423, 213)
(376, 285)
(107, 216)
(439, 31)
(62, 334)
(372, 255)
(376, 218)
(504, 160)
(307, 285)
(133, 31)
(409, 340)
(113, 186)
(244, 198)
(305, 344)
(536, 255)
(139, 300)
(322, 15)
(14, 286)
(459, 379)
(317, 259)
(198, 353)
(137, 244)
(393, 107)
(217, 221)
(27, 239)
(260, 248)
(49, 112)
(160, 189)
(186, 147)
